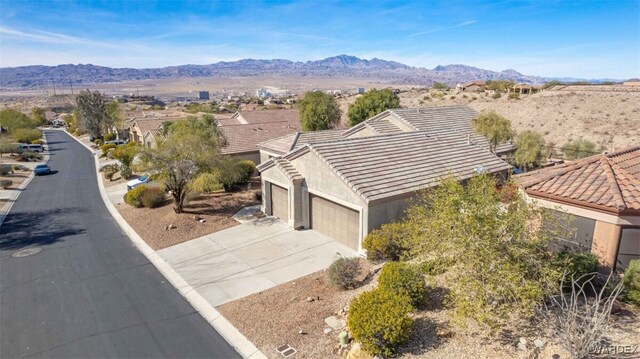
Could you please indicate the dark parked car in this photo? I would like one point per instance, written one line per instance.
(40, 170)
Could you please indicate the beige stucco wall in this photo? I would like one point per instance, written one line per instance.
(606, 238)
(393, 211)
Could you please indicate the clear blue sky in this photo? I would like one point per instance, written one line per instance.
(586, 39)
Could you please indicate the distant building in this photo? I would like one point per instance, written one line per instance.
(203, 95)
(262, 93)
(360, 90)
(474, 86)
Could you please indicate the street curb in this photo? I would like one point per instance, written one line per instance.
(4, 211)
(206, 310)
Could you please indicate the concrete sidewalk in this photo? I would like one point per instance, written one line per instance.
(251, 257)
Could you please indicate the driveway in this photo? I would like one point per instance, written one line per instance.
(250, 258)
(72, 285)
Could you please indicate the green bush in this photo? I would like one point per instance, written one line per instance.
(513, 96)
(126, 171)
(97, 142)
(6, 183)
(386, 242)
(153, 197)
(496, 96)
(405, 279)
(246, 168)
(109, 137)
(26, 135)
(17, 167)
(106, 147)
(5, 169)
(380, 321)
(578, 265)
(631, 281)
(258, 196)
(134, 196)
(110, 170)
(37, 142)
(436, 266)
(343, 272)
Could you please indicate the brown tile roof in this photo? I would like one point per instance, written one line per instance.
(157, 133)
(151, 124)
(245, 138)
(609, 182)
(384, 166)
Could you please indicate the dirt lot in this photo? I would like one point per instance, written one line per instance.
(215, 209)
(18, 177)
(278, 314)
(609, 119)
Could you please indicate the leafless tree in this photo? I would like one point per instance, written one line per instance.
(579, 315)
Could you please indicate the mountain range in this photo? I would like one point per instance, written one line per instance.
(26, 77)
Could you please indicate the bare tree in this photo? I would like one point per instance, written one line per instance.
(579, 315)
(92, 112)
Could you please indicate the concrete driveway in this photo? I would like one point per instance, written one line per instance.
(250, 258)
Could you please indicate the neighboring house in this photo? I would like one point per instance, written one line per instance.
(153, 137)
(138, 128)
(602, 193)
(243, 131)
(526, 89)
(458, 118)
(345, 184)
(141, 122)
(474, 86)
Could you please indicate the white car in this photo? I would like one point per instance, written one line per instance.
(137, 182)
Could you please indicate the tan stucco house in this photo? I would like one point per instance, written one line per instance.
(602, 193)
(344, 184)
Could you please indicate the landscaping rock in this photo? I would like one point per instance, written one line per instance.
(335, 322)
(310, 299)
(327, 330)
(357, 352)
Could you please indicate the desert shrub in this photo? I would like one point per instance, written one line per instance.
(380, 320)
(153, 197)
(246, 168)
(513, 96)
(405, 279)
(26, 135)
(206, 183)
(258, 196)
(134, 196)
(631, 282)
(97, 142)
(5, 169)
(109, 137)
(343, 272)
(126, 171)
(6, 183)
(106, 147)
(436, 266)
(29, 156)
(109, 171)
(37, 142)
(17, 167)
(496, 96)
(579, 265)
(386, 242)
(452, 98)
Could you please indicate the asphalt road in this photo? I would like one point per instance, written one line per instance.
(89, 293)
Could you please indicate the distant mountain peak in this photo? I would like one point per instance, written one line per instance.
(376, 69)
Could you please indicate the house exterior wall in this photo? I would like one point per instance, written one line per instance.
(606, 239)
(252, 156)
(150, 141)
(266, 155)
(387, 212)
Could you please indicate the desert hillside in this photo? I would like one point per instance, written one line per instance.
(609, 119)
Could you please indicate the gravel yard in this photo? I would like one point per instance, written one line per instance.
(276, 316)
(17, 178)
(215, 209)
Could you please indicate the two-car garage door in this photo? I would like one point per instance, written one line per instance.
(336, 221)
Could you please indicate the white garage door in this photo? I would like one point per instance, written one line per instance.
(279, 202)
(336, 221)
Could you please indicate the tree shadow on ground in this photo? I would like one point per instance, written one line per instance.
(36, 228)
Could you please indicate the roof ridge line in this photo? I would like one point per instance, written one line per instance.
(622, 152)
(613, 183)
(397, 116)
(295, 140)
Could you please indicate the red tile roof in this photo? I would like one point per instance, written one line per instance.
(609, 182)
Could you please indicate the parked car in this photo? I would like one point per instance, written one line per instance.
(25, 147)
(41, 170)
(137, 182)
(116, 142)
